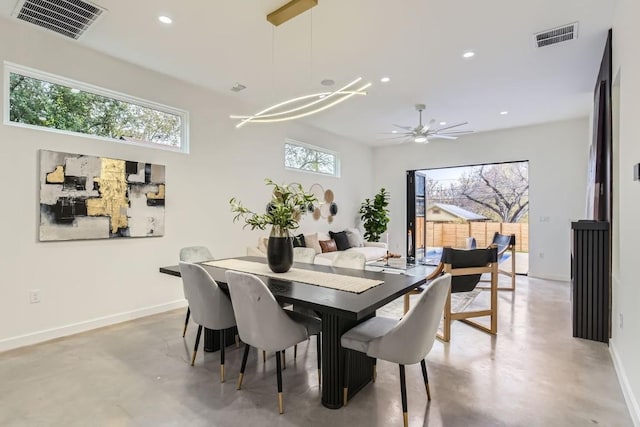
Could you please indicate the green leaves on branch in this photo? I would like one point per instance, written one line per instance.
(288, 204)
(375, 215)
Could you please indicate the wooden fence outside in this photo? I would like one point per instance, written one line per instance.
(441, 234)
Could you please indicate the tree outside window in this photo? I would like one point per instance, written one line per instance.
(37, 102)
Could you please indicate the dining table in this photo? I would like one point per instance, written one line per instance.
(339, 311)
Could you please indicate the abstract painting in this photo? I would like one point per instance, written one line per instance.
(88, 197)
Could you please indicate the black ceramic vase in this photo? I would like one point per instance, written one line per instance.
(280, 250)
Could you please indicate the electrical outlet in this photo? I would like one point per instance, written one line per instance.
(620, 320)
(34, 296)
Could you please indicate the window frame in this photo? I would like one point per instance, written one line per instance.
(10, 68)
(335, 154)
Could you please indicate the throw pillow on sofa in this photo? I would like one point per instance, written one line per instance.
(298, 241)
(355, 237)
(328, 245)
(312, 241)
(341, 239)
(263, 242)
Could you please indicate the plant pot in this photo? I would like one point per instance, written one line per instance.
(280, 250)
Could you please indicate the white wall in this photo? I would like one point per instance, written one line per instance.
(625, 345)
(557, 154)
(89, 283)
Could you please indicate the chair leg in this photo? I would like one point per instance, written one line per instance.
(264, 356)
(222, 346)
(279, 375)
(446, 327)
(244, 365)
(345, 385)
(513, 268)
(407, 303)
(423, 364)
(195, 348)
(295, 351)
(186, 322)
(375, 369)
(319, 351)
(284, 360)
(494, 299)
(403, 392)
(237, 340)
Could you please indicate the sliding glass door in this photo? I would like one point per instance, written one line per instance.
(415, 216)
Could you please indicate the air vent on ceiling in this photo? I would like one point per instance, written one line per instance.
(556, 35)
(71, 18)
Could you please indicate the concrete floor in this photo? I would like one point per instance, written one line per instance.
(137, 374)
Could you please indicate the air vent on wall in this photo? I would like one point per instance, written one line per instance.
(556, 35)
(71, 18)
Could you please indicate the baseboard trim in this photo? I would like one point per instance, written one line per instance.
(75, 328)
(549, 277)
(629, 397)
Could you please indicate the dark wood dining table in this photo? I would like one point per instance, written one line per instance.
(339, 311)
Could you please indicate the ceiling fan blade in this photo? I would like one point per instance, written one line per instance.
(395, 133)
(455, 125)
(452, 132)
(436, 135)
(428, 126)
(403, 127)
(396, 137)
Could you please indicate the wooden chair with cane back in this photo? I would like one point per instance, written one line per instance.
(466, 268)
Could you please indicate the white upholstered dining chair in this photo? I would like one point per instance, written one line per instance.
(405, 341)
(262, 323)
(193, 254)
(211, 307)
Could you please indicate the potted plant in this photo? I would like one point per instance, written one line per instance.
(375, 215)
(288, 204)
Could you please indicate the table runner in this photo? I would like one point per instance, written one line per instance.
(328, 280)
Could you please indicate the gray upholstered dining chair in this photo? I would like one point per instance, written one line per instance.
(193, 254)
(211, 307)
(305, 255)
(262, 323)
(405, 341)
(346, 259)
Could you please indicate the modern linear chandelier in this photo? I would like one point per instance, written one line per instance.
(305, 105)
(322, 101)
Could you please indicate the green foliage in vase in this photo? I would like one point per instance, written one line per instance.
(375, 215)
(288, 204)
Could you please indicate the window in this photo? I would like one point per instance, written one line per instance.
(62, 105)
(308, 158)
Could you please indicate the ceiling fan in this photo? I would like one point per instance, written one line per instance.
(423, 133)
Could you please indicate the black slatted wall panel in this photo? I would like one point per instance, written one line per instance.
(590, 273)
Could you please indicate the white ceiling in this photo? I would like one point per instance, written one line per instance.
(418, 43)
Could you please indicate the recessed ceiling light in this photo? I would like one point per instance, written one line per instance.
(443, 123)
(468, 54)
(165, 19)
(385, 79)
(504, 113)
(327, 82)
(394, 131)
(238, 87)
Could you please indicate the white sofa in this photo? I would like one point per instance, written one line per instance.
(371, 250)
